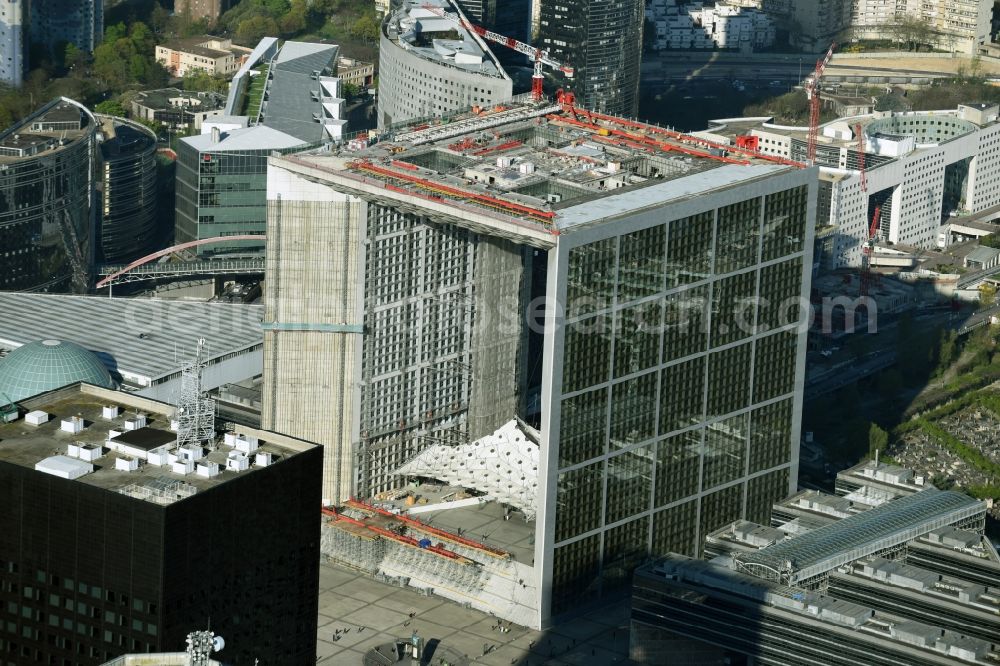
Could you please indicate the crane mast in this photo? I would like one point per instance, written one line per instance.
(812, 93)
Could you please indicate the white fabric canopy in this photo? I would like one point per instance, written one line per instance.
(503, 465)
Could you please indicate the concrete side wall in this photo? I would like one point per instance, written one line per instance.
(312, 338)
(497, 339)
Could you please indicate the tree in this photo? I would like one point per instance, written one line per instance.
(878, 439)
(987, 294)
(349, 90)
(366, 28)
(110, 107)
(159, 19)
(254, 28)
(200, 80)
(73, 57)
(947, 350)
(912, 31)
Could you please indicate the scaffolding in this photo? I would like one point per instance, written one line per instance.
(195, 411)
(160, 490)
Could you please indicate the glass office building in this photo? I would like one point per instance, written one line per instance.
(602, 41)
(641, 311)
(677, 406)
(128, 227)
(47, 212)
(221, 193)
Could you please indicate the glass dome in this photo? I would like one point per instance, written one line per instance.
(50, 364)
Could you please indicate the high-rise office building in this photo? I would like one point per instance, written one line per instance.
(430, 66)
(13, 41)
(114, 539)
(58, 22)
(48, 170)
(661, 370)
(202, 9)
(602, 41)
(294, 103)
(128, 216)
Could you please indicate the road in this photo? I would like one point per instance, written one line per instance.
(846, 370)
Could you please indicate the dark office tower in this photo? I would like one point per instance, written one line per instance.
(114, 539)
(78, 22)
(47, 172)
(128, 191)
(602, 40)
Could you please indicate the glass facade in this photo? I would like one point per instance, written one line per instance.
(222, 193)
(677, 409)
(602, 41)
(128, 171)
(46, 206)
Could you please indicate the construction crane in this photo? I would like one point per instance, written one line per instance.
(858, 131)
(812, 94)
(867, 250)
(539, 56)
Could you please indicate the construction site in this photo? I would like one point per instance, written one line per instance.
(460, 406)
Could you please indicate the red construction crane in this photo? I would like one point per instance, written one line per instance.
(859, 132)
(812, 93)
(866, 252)
(540, 56)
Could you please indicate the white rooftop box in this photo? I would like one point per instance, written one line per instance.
(73, 424)
(110, 411)
(246, 444)
(158, 457)
(36, 417)
(207, 469)
(263, 459)
(174, 424)
(64, 467)
(136, 422)
(237, 461)
(182, 467)
(88, 452)
(191, 453)
(126, 464)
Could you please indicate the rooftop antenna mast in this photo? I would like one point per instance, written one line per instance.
(195, 411)
(201, 645)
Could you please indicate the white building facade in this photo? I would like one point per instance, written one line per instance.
(424, 71)
(12, 42)
(723, 26)
(922, 169)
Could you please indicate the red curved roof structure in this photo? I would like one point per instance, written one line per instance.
(176, 248)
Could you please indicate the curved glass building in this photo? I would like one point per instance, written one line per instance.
(47, 172)
(128, 191)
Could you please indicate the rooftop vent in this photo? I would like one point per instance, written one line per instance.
(126, 464)
(87, 452)
(73, 424)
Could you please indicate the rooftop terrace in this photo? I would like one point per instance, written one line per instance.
(108, 446)
(424, 33)
(534, 168)
(51, 128)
